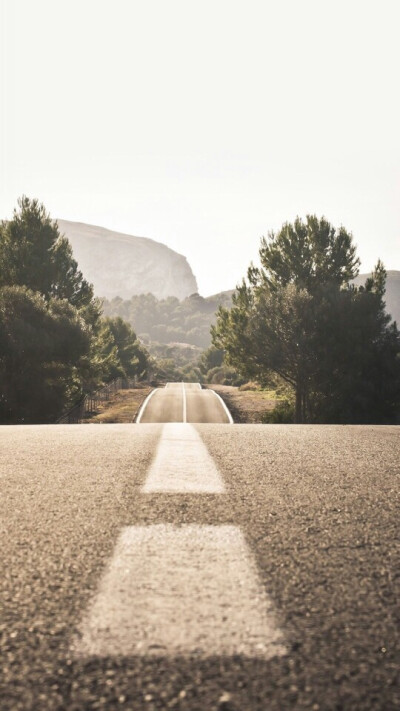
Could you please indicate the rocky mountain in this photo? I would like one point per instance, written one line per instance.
(123, 265)
(392, 296)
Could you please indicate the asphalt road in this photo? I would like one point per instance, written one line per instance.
(183, 402)
(317, 507)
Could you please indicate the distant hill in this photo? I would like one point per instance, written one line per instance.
(187, 322)
(170, 321)
(123, 265)
(392, 296)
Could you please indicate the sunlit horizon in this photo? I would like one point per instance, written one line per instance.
(205, 128)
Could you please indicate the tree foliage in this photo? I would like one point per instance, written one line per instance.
(298, 317)
(169, 320)
(307, 254)
(54, 345)
(35, 255)
(357, 371)
(131, 356)
(211, 358)
(41, 348)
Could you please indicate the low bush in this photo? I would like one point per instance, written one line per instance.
(224, 375)
(282, 414)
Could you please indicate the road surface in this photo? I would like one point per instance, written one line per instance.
(199, 567)
(184, 402)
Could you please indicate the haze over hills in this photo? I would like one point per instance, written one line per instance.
(124, 269)
(170, 321)
(123, 265)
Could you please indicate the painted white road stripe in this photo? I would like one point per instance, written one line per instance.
(228, 414)
(142, 409)
(184, 415)
(182, 464)
(188, 590)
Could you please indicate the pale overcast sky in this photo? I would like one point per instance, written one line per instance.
(205, 124)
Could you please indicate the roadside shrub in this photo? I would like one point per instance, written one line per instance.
(282, 414)
(224, 375)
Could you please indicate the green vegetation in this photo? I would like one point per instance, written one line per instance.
(54, 343)
(120, 349)
(170, 321)
(298, 317)
(214, 370)
(176, 334)
(44, 347)
(324, 347)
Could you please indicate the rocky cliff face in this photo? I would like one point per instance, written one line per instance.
(123, 265)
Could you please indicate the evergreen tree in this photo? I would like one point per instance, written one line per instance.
(53, 343)
(307, 254)
(298, 317)
(356, 377)
(212, 357)
(42, 345)
(132, 356)
(35, 255)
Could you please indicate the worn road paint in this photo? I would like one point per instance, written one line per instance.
(184, 404)
(182, 464)
(181, 590)
(225, 407)
(142, 409)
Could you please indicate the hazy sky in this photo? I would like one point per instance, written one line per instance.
(205, 124)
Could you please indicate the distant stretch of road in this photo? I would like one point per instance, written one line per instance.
(184, 402)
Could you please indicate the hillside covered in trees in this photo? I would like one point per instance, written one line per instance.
(177, 333)
(169, 321)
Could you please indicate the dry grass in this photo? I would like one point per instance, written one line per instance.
(247, 405)
(121, 408)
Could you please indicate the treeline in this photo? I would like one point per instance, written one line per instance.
(178, 335)
(297, 318)
(170, 320)
(55, 343)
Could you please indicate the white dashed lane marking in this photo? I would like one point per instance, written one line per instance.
(182, 464)
(181, 590)
(184, 404)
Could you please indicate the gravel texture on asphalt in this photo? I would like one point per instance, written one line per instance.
(319, 510)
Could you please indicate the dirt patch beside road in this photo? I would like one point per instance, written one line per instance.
(246, 406)
(122, 407)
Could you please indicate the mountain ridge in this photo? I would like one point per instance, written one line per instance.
(120, 264)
